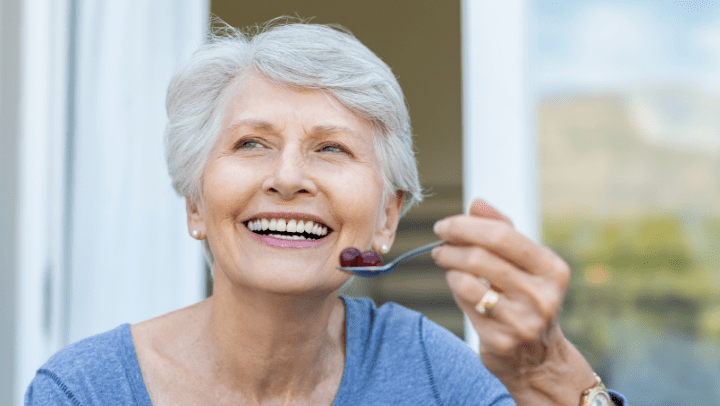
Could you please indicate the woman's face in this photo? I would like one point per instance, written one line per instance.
(286, 157)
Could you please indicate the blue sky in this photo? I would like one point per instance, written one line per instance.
(620, 44)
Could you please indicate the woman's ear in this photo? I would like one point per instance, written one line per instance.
(385, 235)
(195, 219)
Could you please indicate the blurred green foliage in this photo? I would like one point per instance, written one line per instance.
(660, 271)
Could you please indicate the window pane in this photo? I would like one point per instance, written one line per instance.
(628, 125)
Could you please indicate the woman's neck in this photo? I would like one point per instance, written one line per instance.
(273, 346)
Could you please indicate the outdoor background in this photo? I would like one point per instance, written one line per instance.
(628, 124)
(623, 101)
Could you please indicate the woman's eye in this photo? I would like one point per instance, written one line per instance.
(333, 148)
(248, 144)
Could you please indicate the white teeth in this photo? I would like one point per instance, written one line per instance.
(290, 226)
(288, 237)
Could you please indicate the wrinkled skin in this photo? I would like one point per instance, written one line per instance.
(521, 341)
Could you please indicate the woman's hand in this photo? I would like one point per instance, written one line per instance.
(521, 341)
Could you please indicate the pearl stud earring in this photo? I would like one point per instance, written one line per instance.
(195, 233)
(384, 249)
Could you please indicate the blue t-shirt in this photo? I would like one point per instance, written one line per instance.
(395, 356)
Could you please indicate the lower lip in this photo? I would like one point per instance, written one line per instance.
(280, 243)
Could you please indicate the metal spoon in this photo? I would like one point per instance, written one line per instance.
(373, 271)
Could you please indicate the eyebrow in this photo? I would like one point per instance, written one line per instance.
(257, 124)
(331, 129)
(266, 126)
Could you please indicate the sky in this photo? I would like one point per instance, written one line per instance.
(663, 57)
(621, 44)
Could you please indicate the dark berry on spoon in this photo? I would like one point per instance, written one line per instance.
(370, 258)
(350, 257)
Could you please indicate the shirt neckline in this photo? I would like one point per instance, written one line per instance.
(351, 355)
(132, 368)
(142, 396)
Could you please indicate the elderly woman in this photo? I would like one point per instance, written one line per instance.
(290, 146)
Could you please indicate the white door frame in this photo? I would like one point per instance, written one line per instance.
(44, 27)
(499, 159)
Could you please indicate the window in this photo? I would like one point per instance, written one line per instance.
(629, 144)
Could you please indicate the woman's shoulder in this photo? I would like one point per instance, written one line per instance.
(91, 351)
(394, 341)
(394, 320)
(100, 367)
(392, 323)
(363, 309)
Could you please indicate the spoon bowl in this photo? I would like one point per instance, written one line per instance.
(375, 271)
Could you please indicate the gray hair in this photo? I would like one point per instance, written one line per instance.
(296, 55)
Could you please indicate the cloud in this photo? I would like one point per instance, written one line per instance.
(664, 61)
(617, 34)
(706, 41)
(678, 117)
(619, 45)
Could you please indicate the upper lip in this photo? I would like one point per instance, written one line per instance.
(289, 216)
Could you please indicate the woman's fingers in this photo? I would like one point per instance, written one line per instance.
(503, 327)
(482, 264)
(500, 238)
(466, 288)
(468, 291)
(525, 316)
(481, 208)
(516, 284)
(532, 297)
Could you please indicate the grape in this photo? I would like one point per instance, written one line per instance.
(350, 257)
(370, 258)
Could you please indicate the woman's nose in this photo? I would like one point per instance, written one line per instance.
(290, 176)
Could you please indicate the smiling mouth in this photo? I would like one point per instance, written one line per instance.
(288, 229)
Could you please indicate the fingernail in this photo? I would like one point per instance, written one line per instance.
(440, 226)
(434, 252)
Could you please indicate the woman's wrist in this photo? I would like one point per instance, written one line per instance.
(559, 381)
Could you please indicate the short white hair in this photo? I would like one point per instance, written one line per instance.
(296, 55)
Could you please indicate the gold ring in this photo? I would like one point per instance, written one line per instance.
(489, 299)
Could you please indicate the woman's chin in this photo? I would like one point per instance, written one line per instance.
(290, 279)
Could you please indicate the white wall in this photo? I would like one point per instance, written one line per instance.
(499, 159)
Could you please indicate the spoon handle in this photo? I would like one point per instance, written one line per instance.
(417, 251)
